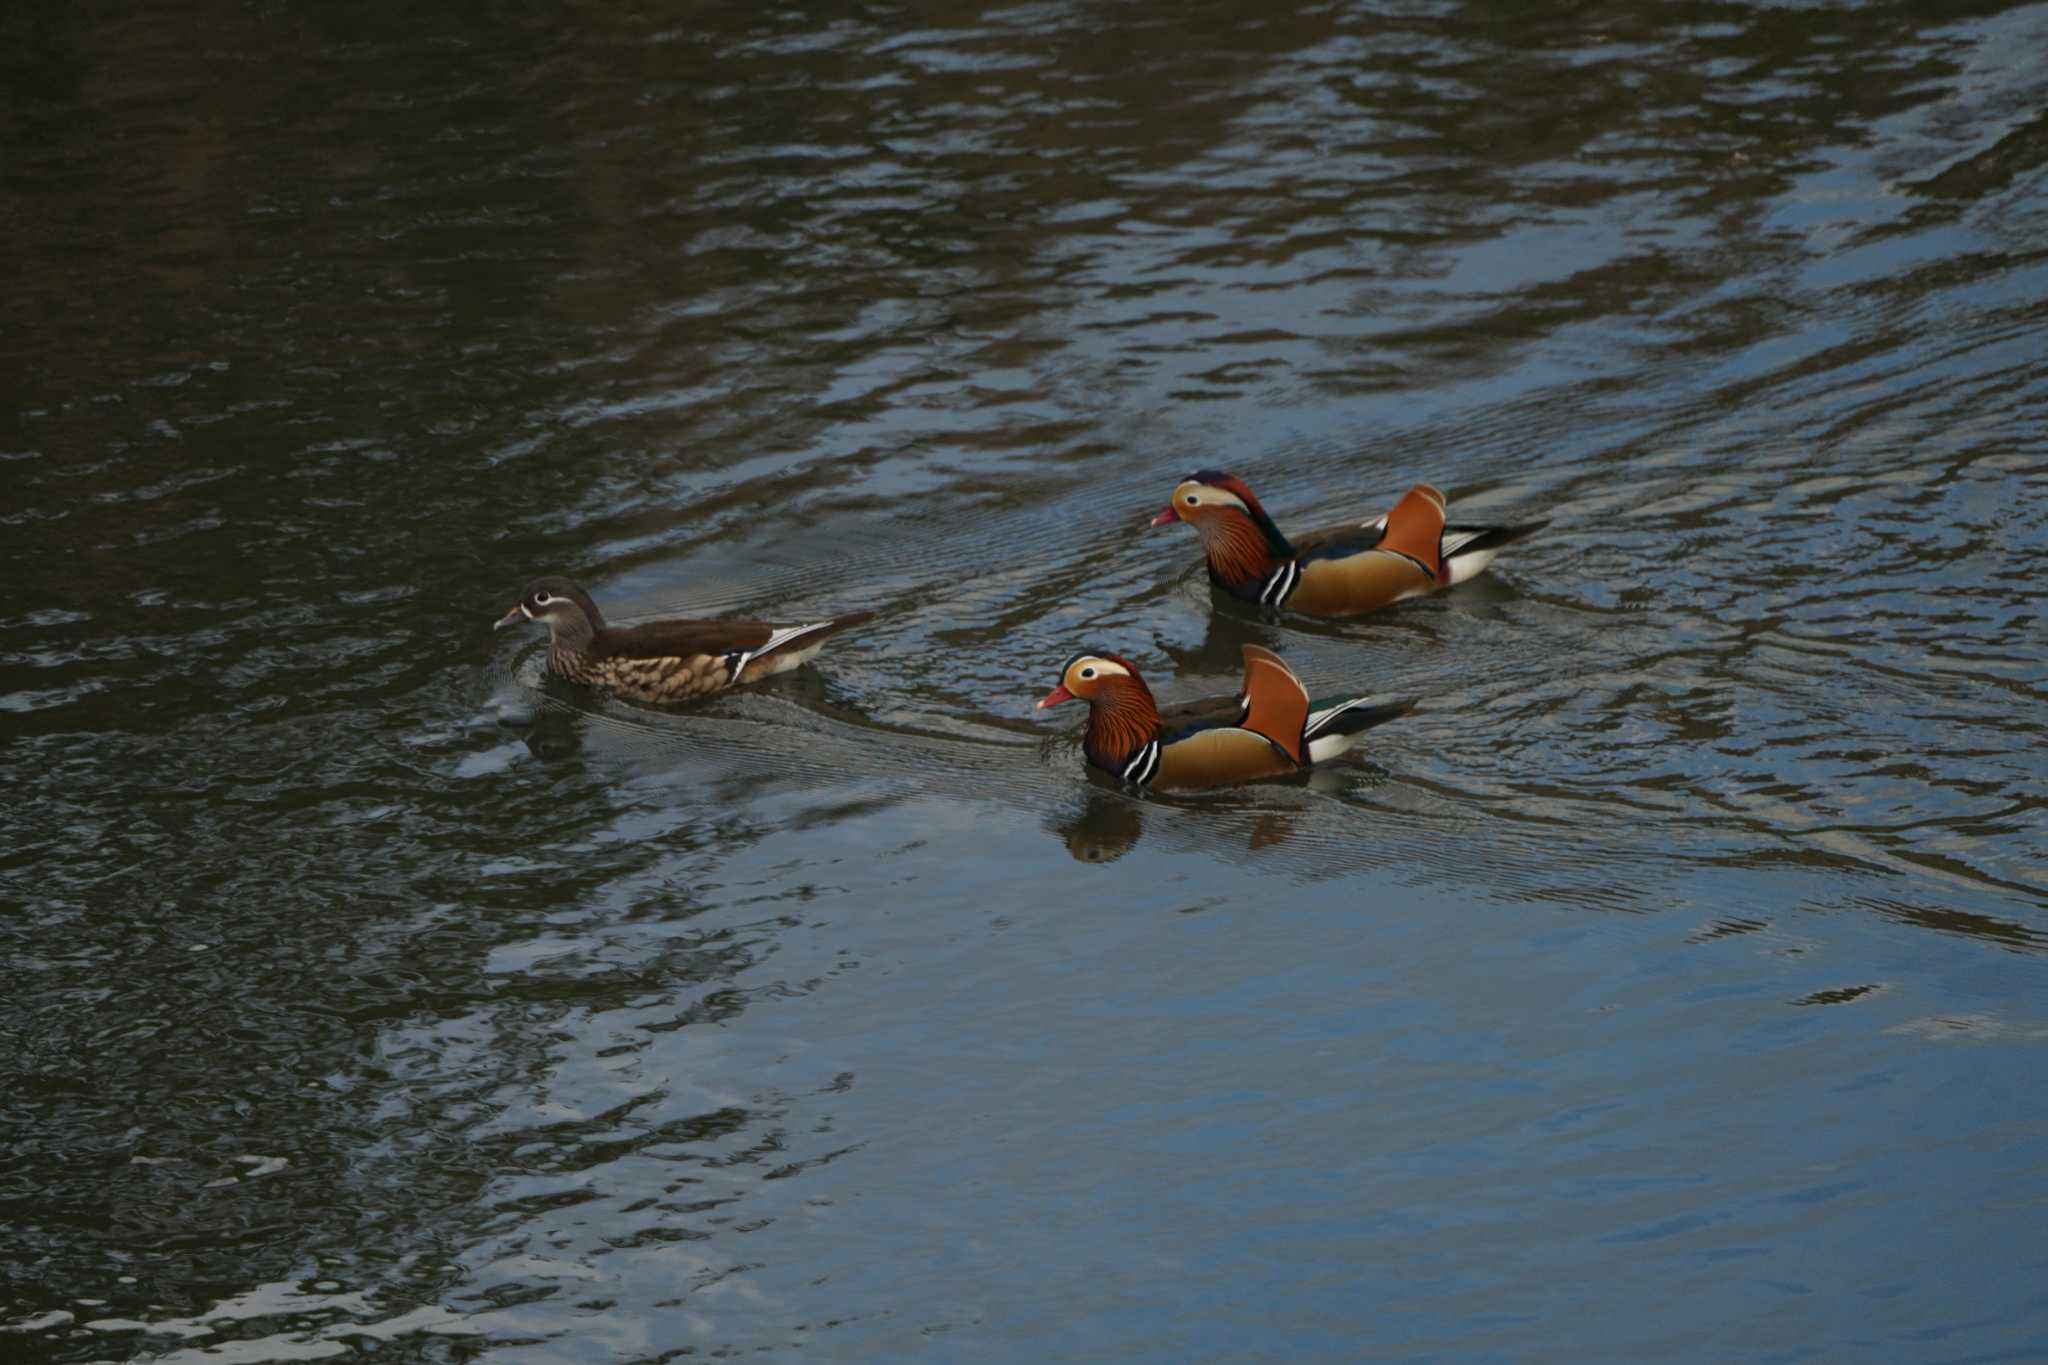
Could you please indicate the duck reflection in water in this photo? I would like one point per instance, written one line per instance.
(1109, 824)
(552, 733)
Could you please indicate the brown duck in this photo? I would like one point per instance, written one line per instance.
(1268, 730)
(1341, 571)
(662, 660)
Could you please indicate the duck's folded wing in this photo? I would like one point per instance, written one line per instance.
(1189, 716)
(1276, 704)
(1415, 528)
(684, 639)
(1349, 539)
(1458, 539)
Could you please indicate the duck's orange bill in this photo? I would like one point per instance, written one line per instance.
(1055, 697)
(1166, 518)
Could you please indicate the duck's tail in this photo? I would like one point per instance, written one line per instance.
(1469, 549)
(1334, 728)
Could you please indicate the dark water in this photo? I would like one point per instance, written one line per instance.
(1672, 986)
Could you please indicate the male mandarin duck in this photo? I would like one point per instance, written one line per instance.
(662, 660)
(1343, 571)
(1268, 730)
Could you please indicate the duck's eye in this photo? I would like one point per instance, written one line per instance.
(1191, 500)
(541, 599)
(1087, 672)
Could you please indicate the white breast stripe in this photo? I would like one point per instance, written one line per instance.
(1143, 764)
(1280, 584)
(1266, 592)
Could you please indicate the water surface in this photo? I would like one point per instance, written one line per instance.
(1669, 986)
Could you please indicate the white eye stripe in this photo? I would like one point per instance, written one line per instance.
(1101, 667)
(1203, 495)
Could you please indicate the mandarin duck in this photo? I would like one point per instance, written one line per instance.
(1342, 571)
(1268, 730)
(662, 660)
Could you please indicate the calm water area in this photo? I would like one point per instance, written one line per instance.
(1671, 985)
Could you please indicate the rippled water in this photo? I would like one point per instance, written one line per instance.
(1669, 986)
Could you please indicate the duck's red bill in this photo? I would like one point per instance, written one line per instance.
(1166, 518)
(1055, 697)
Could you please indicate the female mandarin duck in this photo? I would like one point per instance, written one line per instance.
(662, 660)
(1268, 730)
(1343, 571)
